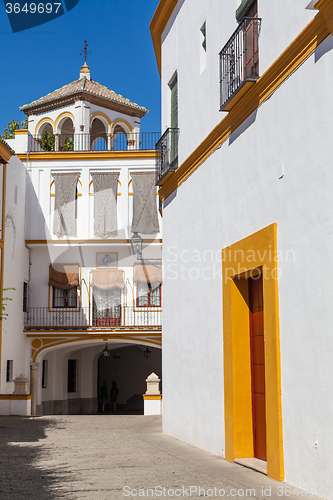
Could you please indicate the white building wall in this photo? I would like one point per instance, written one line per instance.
(16, 271)
(282, 21)
(235, 193)
(40, 203)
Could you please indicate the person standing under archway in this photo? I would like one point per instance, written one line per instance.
(114, 394)
(104, 394)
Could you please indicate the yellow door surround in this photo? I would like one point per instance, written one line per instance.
(244, 259)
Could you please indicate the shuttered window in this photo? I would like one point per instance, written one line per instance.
(174, 103)
(174, 123)
(248, 8)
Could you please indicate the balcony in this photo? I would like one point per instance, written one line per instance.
(239, 62)
(140, 141)
(167, 155)
(88, 318)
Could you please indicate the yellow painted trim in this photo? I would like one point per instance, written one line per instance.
(64, 113)
(149, 397)
(255, 251)
(92, 241)
(42, 342)
(78, 194)
(288, 62)
(43, 120)
(99, 113)
(121, 120)
(22, 131)
(24, 397)
(88, 155)
(91, 334)
(157, 25)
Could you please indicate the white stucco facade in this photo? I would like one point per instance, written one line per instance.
(57, 341)
(274, 168)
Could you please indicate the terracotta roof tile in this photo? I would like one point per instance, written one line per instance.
(7, 146)
(87, 86)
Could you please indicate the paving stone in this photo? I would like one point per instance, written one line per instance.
(111, 457)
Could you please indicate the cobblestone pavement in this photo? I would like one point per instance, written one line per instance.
(115, 457)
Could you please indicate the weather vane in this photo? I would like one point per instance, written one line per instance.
(85, 52)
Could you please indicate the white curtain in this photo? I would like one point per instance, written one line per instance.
(64, 222)
(105, 202)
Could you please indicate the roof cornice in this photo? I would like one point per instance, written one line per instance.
(5, 151)
(84, 95)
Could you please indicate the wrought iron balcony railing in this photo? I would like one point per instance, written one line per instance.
(239, 60)
(94, 142)
(43, 318)
(167, 154)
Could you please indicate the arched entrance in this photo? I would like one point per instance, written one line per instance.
(67, 372)
(129, 367)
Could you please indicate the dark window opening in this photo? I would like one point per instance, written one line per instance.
(25, 297)
(65, 298)
(44, 373)
(71, 375)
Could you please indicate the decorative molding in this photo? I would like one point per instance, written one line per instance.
(100, 113)
(43, 120)
(62, 115)
(125, 122)
(88, 155)
(157, 25)
(84, 96)
(88, 242)
(42, 341)
(24, 397)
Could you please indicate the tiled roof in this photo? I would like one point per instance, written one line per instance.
(7, 146)
(89, 87)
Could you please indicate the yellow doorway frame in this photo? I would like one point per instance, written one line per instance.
(246, 258)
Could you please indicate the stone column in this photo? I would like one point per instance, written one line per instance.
(33, 388)
(57, 140)
(109, 136)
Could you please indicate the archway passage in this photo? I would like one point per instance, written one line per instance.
(129, 368)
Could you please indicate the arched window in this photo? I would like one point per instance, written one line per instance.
(120, 138)
(98, 140)
(66, 142)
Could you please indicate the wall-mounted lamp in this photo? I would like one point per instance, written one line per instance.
(147, 353)
(106, 351)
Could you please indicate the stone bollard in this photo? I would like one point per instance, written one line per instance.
(153, 397)
(21, 385)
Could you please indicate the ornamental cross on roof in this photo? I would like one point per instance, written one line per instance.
(85, 52)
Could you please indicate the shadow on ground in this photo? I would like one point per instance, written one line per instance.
(20, 449)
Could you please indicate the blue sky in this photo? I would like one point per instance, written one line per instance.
(39, 60)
